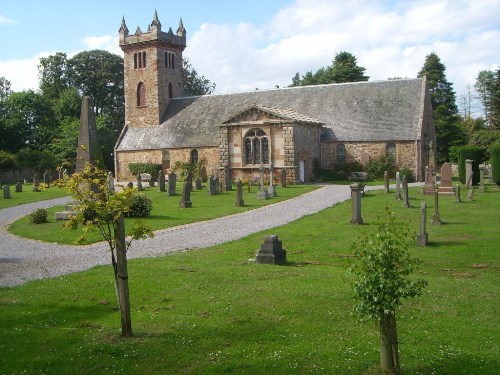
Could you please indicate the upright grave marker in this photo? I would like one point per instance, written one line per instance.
(422, 237)
(161, 180)
(386, 181)
(172, 182)
(356, 203)
(186, 195)
(272, 190)
(36, 183)
(271, 251)
(436, 219)
(406, 198)
(19, 187)
(6, 191)
(262, 193)
(398, 186)
(88, 147)
(446, 187)
(239, 194)
(468, 172)
(227, 178)
(457, 194)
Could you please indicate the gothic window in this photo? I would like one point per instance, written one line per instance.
(256, 147)
(173, 61)
(194, 156)
(390, 148)
(141, 95)
(139, 60)
(341, 154)
(169, 60)
(144, 59)
(135, 60)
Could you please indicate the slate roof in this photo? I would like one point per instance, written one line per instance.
(360, 111)
(283, 113)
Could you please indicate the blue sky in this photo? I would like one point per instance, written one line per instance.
(243, 45)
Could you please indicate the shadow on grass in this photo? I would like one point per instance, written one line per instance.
(460, 364)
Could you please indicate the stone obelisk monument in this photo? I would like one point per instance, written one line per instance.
(88, 146)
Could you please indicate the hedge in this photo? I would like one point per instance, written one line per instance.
(152, 169)
(495, 163)
(476, 154)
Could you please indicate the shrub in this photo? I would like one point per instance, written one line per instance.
(39, 216)
(495, 163)
(152, 169)
(474, 153)
(7, 160)
(377, 166)
(139, 206)
(408, 173)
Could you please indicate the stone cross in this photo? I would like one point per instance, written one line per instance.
(457, 194)
(6, 191)
(422, 237)
(186, 195)
(429, 187)
(36, 183)
(161, 180)
(356, 203)
(172, 181)
(398, 186)
(271, 251)
(262, 193)
(227, 178)
(386, 181)
(19, 187)
(468, 172)
(436, 219)
(239, 194)
(272, 190)
(283, 178)
(88, 146)
(406, 198)
(211, 186)
(111, 181)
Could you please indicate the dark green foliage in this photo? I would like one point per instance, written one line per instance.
(495, 162)
(476, 154)
(339, 172)
(377, 166)
(89, 214)
(485, 138)
(140, 205)
(36, 159)
(7, 160)
(39, 216)
(408, 173)
(194, 84)
(152, 169)
(495, 102)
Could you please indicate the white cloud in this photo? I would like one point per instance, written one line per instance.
(106, 42)
(6, 21)
(23, 74)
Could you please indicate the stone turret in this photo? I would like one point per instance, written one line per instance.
(152, 71)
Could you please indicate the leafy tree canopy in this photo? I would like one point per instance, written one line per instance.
(194, 84)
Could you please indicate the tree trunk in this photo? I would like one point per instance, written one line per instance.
(121, 260)
(389, 354)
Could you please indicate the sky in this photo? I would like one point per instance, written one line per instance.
(260, 44)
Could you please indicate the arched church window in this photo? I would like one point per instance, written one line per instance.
(173, 61)
(141, 95)
(341, 154)
(256, 147)
(135, 60)
(194, 156)
(390, 148)
(144, 59)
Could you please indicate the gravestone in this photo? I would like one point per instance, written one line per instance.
(227, 179)
(422, 237)
(46, 178)
(36, 183)
(161, 180)
(429, 187)
(151, 181)
(481, 177)
(186, 195)
(139, 183)
(6, 191)
(470, 194)
(356, 188)
(406, 198)
(457, 194)
(398, 186)
(211, 186)
(239, 194)
(436, 219)
(446, 187)
(271, 251)
(262, 193)
(111, 181)
(130, 185)
(386, 181)
(19, 187)
(283, 178)
(189, 180)
(172, 182)
(217, 183)
(88, 146)
(198, 184)
(272, 190)
(365, 158)
(468, 172)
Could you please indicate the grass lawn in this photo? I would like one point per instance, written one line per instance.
(166, 212)
(211, 312)
(28, 195)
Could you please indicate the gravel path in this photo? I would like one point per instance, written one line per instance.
(22, 260)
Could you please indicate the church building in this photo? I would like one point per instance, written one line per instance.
(288, 128)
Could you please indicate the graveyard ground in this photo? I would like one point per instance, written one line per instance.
(28, 195)
(210, 311)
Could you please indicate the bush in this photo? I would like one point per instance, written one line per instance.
(39, 216)
(7, 160)
(408, 173)
(152, 169)
(139, 206)
(377, 166)
(474, 153)
(495, 163)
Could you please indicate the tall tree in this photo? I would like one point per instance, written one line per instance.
(53, 75)
(194, 84)
(446, 117)
(495, 102)
(484, 85)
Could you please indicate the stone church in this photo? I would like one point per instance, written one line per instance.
(290, 127)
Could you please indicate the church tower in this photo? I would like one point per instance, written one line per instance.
(152, 71)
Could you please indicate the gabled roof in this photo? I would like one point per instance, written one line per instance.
(360, 111)
(284, 114)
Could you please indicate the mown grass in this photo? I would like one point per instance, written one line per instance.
(210, 311)
(166, 212)
(28, 195)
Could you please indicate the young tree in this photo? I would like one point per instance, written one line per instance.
(448, 130)
(194, 84)
(382, 279)
(484, 85)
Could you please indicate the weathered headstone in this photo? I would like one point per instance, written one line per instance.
(422, 237)
(468, 172)
(36, 183)
(470, 194)
(46, 178)
(161, 180)
(130, 185)
(283, 178)
(111, 181)
(398, 186)
(172, 182)
(19, 187)
(139, 185)
(6, 191)
(436, 219)
(189, 180)
(217, 183)
(446, 187)
(386, 181)
(457, 194)
(198, 183)
(272, 190)
(211, 186)
(356, 203)
(262, 193)
(239, 194)
(88, 146)
(429, 187)
(271, 251)
(227, 178)
(186, 195)
(406, 198)
(481, 178)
